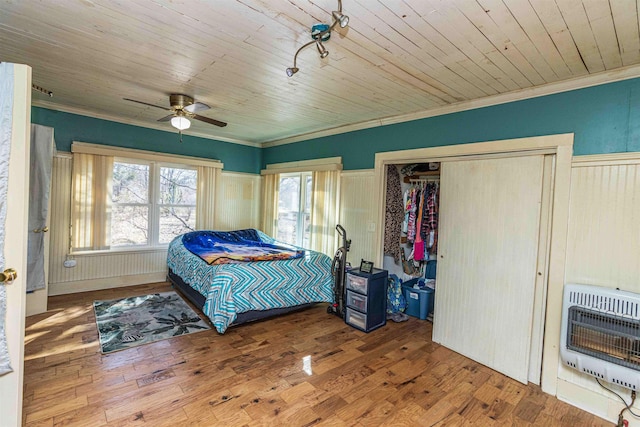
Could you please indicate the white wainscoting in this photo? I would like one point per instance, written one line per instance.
(603, 249)
(604, 226)
(237, 201)
(59, 217)
(357, 214)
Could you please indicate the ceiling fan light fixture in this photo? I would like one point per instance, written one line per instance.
(292, 70)
(181, 123)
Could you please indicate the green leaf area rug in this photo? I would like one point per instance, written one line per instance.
(129, 322)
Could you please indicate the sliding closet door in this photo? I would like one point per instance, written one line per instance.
(488, 248)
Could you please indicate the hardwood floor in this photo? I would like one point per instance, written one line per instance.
(302, 369)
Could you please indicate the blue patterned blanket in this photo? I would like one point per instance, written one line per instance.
(223, 247)
(235, 288)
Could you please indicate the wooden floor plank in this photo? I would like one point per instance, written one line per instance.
(302, 369)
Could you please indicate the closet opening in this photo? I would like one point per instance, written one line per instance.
(411, 233)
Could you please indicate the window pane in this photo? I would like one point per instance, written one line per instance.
(288, 205)
(129, 225)
(130, 183)
(175, 221)
(178, 186)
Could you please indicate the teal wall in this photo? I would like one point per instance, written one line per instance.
(72, 127)
(604, 119)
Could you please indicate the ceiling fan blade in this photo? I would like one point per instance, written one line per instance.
(146, 103)
(196, 107)
(167, 118)
(210, 121)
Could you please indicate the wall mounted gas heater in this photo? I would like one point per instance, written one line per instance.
(601, 333)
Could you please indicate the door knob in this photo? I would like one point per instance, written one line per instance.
(8, 276)
(41, 230)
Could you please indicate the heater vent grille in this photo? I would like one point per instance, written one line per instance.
(604, 303)
(606, 336)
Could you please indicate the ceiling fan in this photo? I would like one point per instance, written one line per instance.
(182, 109)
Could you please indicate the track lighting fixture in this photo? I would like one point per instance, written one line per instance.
(42, 90)
(321, 33)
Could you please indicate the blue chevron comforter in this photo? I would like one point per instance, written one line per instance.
(234, 288)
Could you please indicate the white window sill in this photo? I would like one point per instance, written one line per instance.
(120, 251)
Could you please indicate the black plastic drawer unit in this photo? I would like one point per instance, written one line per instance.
(366, 299)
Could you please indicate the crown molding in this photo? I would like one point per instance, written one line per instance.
(604, 77)
(56, 107)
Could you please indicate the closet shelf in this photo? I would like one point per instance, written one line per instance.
(421, 175)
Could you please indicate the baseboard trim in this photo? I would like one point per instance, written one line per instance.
(590, 401)
(105, 283)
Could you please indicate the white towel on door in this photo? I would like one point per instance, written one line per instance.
(6, 121)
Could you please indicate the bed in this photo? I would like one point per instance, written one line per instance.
(243, 275)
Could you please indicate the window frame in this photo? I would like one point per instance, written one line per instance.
(302, 199)
(153, 204)
(137, 156)
(158, 205)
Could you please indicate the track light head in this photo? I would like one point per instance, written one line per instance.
(342, 19)
(292, 70)
(321, 49)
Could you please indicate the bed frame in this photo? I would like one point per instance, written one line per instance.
(198, 300)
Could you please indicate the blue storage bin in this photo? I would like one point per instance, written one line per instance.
(419, 301)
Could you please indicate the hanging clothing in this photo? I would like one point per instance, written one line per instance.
(42, 150)
(412, 208)
(430, 217)
(394, 214)
(419, 245)
(406, 200)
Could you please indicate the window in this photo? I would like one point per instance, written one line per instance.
(124, 198)
(294, 208)
(151, 203)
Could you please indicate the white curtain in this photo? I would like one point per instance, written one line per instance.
(91, 201)
(325, 211)
(6, 122)
(41, 161)
(269, 204)
(205, 201)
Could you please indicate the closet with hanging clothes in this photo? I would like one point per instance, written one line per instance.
(411, 233)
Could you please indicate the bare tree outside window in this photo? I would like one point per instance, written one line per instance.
(294, 208)
(177, 202)
(288, 206)
(146, 213)
(130, 204)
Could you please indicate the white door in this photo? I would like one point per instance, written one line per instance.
(15, 243)
(487, 253)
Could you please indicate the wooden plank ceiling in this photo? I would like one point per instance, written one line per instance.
(396, 58)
